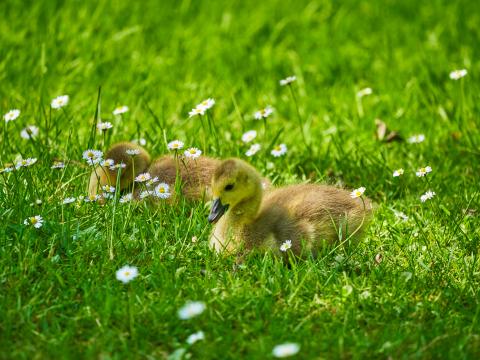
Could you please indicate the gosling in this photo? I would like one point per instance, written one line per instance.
(195, 174)
(307, 215)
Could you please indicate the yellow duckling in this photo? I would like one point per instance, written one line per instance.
(303, 216)
(195, 174)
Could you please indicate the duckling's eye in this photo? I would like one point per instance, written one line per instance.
(229, 187)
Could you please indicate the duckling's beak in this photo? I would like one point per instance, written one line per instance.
(218, 209)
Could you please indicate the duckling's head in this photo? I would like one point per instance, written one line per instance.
(233, 182)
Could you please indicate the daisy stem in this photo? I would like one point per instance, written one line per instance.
(7, 142)
(359, 106)
(300, 120)
(204, 133)
(97, 176)
(133, 175)
(213, 130)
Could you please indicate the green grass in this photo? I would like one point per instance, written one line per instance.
(59, 297)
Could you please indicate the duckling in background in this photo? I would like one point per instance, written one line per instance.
(308, 215)
(195, 174)
(133, 166)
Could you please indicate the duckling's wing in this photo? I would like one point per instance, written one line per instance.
(319, 212)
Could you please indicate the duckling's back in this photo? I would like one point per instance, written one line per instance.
(195, 174)
(317, 212)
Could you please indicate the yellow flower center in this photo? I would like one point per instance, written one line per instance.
(33, 220)
(127, 273)
(162, 190)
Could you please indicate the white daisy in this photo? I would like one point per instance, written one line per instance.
(92, 156)
(35, 221)
(104, 126)
(458, 74)
(11, 115)
(285, 350)
(196, 111)
(152, 181)
(91, 198)
(279, 150)
(57, 165)
(253, 150)
(423, 171)
(192, 153)
(347, 290)
(357, 192)
(249, 136)
(30, 132)
(365, 295)
(175, 145)
(107, 163)
(120, 110)
(126, 198)
(68, 200)
(25, 163)
(286, 245)
(8, 169)
(364, 92)
(427, 196)
(162, 191)
(398, 172)
(264, 113)
(400, 215)
(108, 188)
(143, 177)
(126, 274)
(107, 195)
(288, 80)
(59, 102)
(207, 104)
(191, 309)
(192, 339)
(416, 139)
(146, 193)
(133, 152)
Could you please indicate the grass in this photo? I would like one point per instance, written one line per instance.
(59, 297)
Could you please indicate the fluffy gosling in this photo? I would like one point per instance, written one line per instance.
(308, 215)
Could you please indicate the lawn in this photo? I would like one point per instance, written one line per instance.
(410, 288)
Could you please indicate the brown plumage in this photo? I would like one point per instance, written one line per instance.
(195, 175)
(103, 175)
(309, 215)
